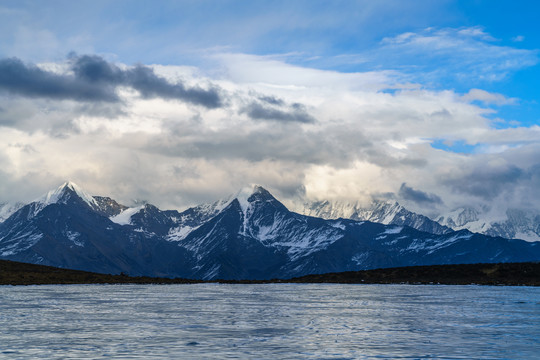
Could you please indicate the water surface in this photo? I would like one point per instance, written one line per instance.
(272, 321)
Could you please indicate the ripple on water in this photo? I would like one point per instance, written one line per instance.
(300, 321)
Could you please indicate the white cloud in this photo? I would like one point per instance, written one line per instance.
(488, 98)
(372, 126)
(463, 54)
(364, 140)
(271, 71)
(476, 32)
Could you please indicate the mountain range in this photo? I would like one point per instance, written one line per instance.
(512, 224)
(384, 212)
(250, 235)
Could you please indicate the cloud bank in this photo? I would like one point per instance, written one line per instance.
(92, 79)
(176, 136)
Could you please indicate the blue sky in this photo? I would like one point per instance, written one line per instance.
(346, 36)
(427, 93)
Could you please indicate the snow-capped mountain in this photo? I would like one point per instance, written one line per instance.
(63, 194)
(384, 212)
(172, 224)
(69, 228)
(513, 224)
(7, 209)
(246, 236)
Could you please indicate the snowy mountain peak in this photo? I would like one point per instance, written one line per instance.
(7, 209)
(211, 241)
(251, 189)
(459, 217)
(252, 192)
(243, 195)
(510, 224)
(60, 195)
(380, 211)
(258, 189)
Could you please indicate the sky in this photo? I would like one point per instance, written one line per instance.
(434, 104)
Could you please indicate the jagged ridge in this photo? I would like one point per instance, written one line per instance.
(246, 236)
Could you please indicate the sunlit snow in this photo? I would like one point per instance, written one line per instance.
(124, 218)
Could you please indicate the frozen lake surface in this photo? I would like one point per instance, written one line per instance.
(276, 321)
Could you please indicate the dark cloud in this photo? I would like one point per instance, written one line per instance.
(291, 113)
(272, 100)
(106, 110)
(31, 81)
(418, 196)
(149, 85)
(96, 80)
(486, 181)
(95, 69)
(534, 173)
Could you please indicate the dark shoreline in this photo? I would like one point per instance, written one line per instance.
(510, 274)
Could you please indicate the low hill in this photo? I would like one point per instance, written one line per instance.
(465, 274)
(16, 273)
